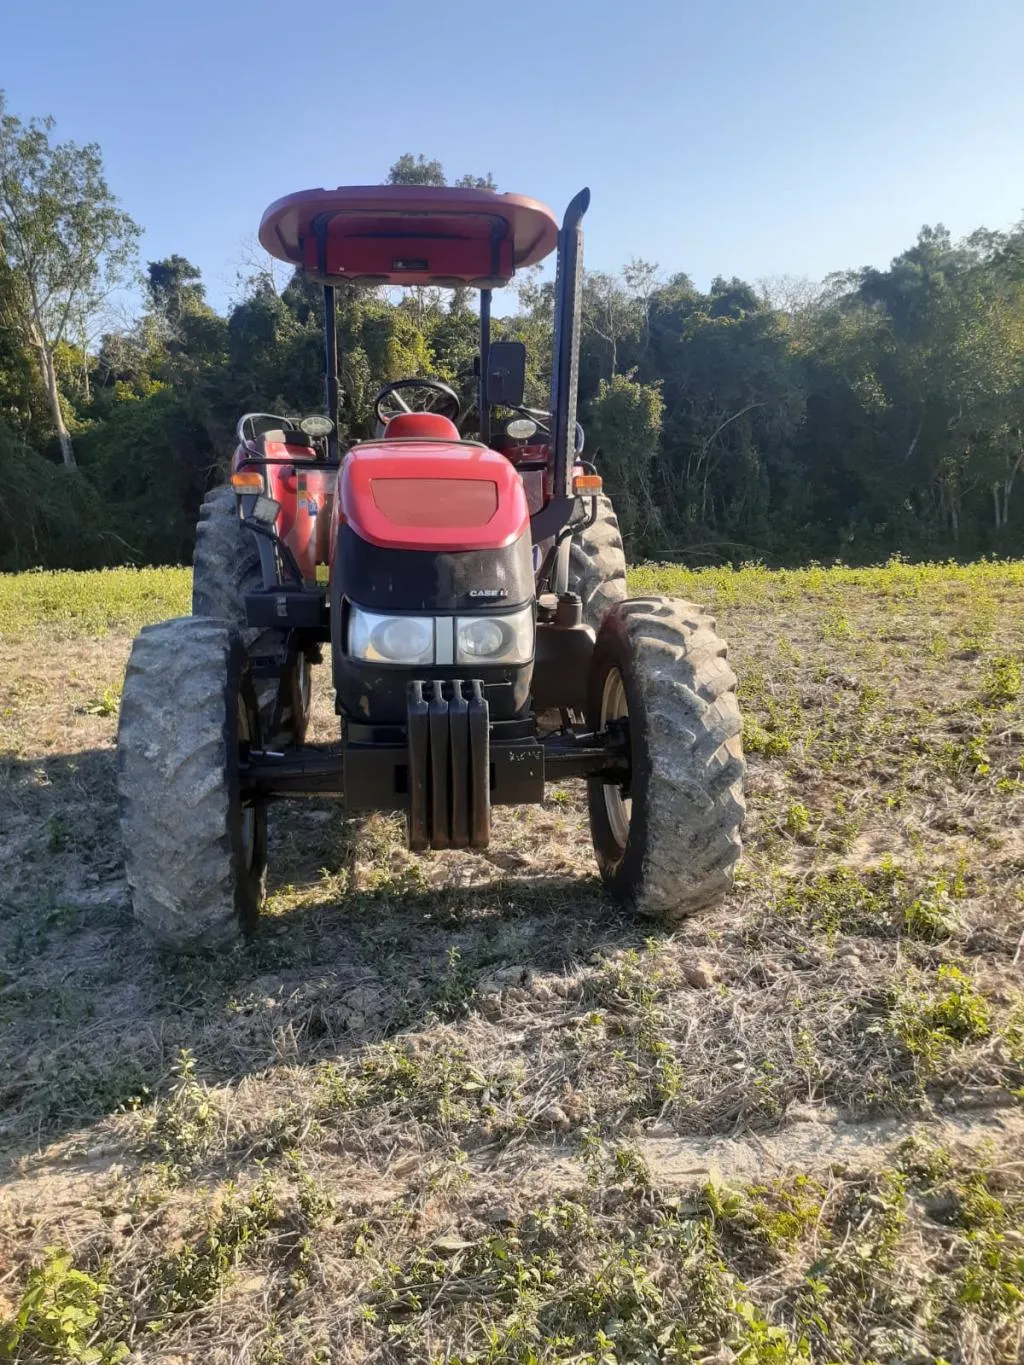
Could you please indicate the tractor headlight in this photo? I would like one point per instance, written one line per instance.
(391, 639)
(495, 639)
(445, 640)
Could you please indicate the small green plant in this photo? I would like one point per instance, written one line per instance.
(780, 728)
(932, 915)
(613, 1164)
(180, 1130)
(1002, 681)
(455, 990)
(57, 1317)
(843, 827)
(185, 1280)
(923, 1161)
(968, 757)
(835, 626)
(785, 1212)
(959, 1010)
(841, 901)
(107, 703)
(58, 832)
(757, 739)
(436, 1085)
(315, 1201)
(721, 1202)
(798, 819)
(933, 1020)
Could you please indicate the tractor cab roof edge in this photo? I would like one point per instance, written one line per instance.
(409, 234)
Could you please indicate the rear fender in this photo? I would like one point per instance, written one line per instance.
(305, 491)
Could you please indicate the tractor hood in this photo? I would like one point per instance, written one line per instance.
(418, 494)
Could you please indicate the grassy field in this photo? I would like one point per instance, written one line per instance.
(457, 1108)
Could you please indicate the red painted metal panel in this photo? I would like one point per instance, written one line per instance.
(409, 234)
(440, 503)
(443, 515)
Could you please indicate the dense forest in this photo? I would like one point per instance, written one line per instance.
(879, 412)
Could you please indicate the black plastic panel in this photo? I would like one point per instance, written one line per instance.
(561, 667)
(429, 580)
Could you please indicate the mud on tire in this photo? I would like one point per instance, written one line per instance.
(670, 849)
(225, 567)
(597, 564)
(195, 860)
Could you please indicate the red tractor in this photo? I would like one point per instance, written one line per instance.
(473, 603)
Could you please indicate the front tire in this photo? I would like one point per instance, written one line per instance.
(597, 564)
(668, 846)
(225, 567)
(195, 857)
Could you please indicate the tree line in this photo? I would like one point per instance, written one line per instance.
(879, 412)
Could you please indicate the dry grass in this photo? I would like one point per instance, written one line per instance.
(457, 1108)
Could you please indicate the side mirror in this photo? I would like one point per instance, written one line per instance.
(505, 381)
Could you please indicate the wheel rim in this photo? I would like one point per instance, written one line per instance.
(618, 808)
(248, 812)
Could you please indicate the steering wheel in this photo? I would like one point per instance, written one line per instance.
(440, 399)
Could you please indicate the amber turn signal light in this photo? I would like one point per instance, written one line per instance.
(587, 483)
(247, 483)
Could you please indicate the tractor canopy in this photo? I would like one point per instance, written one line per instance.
(409, 234)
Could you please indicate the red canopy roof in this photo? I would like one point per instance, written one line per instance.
(409, 234)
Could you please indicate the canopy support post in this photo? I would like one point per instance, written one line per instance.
(331, 382)
(485, 360)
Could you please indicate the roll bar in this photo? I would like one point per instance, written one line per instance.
(565, 369)
(565, 366)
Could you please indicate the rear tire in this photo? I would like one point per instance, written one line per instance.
(225, 567)
(667, 848)
(597, 564)
(196, 859)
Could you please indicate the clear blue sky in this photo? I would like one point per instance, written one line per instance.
(748, 137)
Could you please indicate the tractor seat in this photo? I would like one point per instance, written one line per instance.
(276, 444)
(429, 426)
(290, 437)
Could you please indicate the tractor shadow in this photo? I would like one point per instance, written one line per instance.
(356, 949)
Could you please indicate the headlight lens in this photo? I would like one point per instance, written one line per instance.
(443, 640)
(495, 639)
(481, 639)
(391, 639)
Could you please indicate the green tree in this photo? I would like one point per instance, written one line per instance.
(416, 170)
(21, 395)
(476, 182)
(624, 428)
(65, 240)
(175, 289)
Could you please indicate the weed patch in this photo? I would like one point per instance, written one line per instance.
(940, 1015)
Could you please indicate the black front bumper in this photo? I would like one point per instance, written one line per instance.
(445, 767)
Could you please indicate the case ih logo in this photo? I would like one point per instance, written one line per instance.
(489, 593)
